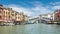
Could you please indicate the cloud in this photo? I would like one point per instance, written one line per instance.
(55, 3)
(37, 9)
(21, 9)
(41, 10)
(33, 11)
(56, 7)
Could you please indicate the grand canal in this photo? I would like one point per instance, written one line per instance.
(31, 29)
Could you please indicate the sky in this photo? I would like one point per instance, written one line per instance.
(32, 7)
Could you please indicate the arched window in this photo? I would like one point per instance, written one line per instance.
(58, 16)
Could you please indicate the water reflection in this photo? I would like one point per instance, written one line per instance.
(30, 29)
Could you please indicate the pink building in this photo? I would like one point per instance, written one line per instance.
(57, 15)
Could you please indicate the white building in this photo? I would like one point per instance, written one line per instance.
(49, 16)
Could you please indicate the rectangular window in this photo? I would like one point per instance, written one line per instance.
(8, 12)
(0, 11)
(0, 17)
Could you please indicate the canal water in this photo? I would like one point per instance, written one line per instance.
(31, 29)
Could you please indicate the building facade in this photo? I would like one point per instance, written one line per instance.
(8, 15)
(1, 13)
(48, 16)
(57, 15)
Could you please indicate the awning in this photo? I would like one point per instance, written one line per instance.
(1, 20)
(6, 21)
